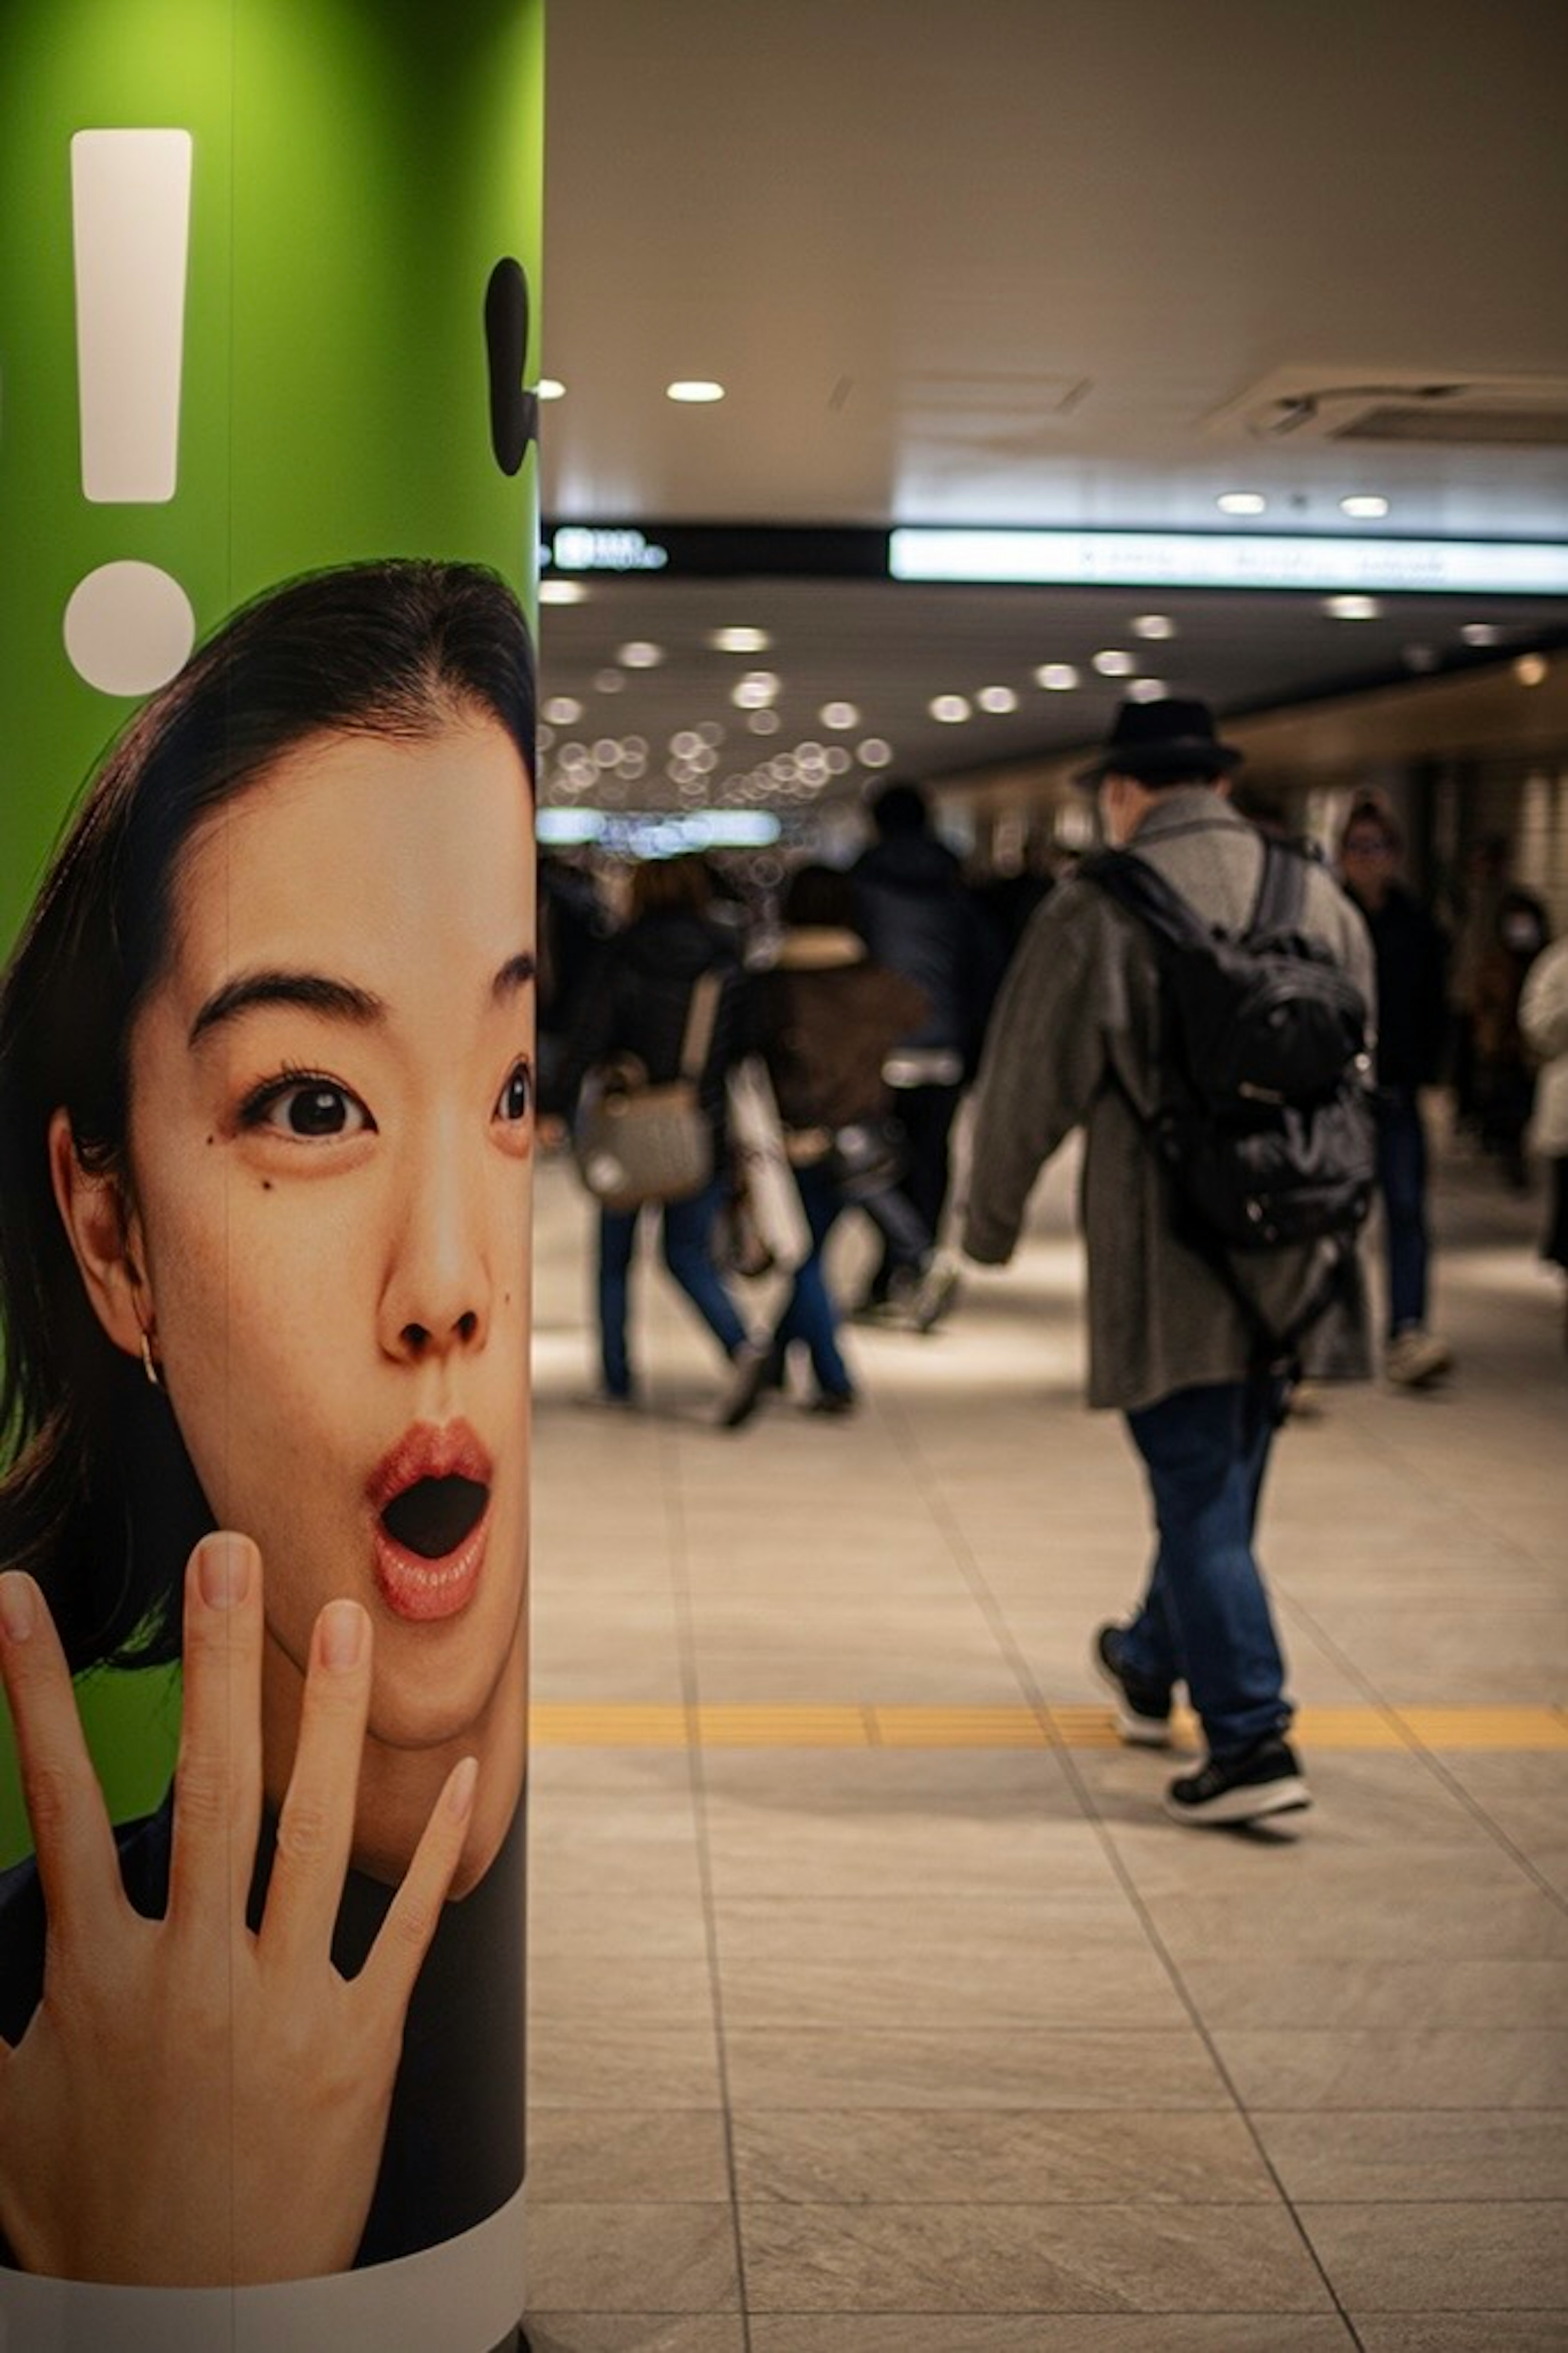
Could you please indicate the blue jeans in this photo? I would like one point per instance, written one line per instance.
(1402, 1181)
(810, 1314)
(688, 1253)
(1205, 1619)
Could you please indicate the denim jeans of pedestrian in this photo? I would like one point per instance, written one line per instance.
(927, 1115)
(810, 1314)
(1205, 1620)
(1402, 1182)
(688, 1229)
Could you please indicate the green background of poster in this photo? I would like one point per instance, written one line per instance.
(359, 168)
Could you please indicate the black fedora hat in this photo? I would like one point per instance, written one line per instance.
(1161, 742)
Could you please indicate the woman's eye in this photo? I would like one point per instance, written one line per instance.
(517, 1097)
(307, 1110)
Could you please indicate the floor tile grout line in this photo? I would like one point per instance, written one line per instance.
(1433, 1764)
(672, 1483)
(969, 1569)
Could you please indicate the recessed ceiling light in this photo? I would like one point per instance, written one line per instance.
(1114, 663)
(841, 715)
(755, 690)
(1419, 657)
(1242, 503)
(1145, 689)
(952, 709)
(1531, 669)
(551, 388)
(1352, 608)
(874, 753)
(696, 390)
(639, 655)
(1481, 633)
(997, 699)
(763, 722)
(1154, 624)
(740, 641)
(609, 681)
(1056, 678)
(1368, 503)
(561, 592)
(562, 711)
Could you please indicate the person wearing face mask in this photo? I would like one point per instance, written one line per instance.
(1077, 1039)
(1412, 995)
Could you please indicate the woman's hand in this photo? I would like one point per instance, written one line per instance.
(193, 2104)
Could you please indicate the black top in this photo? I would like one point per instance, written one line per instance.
(920, 919)
(1412, 954)
(638, 1001)
(453, 2154)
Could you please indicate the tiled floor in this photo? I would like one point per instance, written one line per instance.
(876, 2007)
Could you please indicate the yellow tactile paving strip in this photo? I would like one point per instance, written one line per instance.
(587, 1725)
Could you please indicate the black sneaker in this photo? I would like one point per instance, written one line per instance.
(1255, 1782)
(1143, 1705)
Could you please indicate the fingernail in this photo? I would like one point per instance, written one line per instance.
(343, 1634)
(18, 1605)
(223, 1571)
(460, 1788)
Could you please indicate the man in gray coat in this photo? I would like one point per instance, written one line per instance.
(1074, 1041)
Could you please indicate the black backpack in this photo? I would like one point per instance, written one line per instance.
(1264, 1119)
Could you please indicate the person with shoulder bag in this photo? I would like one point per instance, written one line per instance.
(663, 1021)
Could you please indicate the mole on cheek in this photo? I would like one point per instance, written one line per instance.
(266, 1184)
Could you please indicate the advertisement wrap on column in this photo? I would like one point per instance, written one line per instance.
(269, 281)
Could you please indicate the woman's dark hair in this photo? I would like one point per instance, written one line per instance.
(99, 1499)
(821, 896)
(671, 886)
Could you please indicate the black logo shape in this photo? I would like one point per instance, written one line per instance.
(513, 413)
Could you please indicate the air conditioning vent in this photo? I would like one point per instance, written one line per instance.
(1458, 423)
(1322, 404)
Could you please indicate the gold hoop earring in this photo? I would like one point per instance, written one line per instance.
(149, 1363)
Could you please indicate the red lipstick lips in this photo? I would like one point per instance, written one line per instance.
(430, 1498)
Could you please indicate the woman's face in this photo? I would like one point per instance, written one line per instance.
(330, 1136)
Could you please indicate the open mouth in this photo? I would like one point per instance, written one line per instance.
(434, 1516)
(430, 1499)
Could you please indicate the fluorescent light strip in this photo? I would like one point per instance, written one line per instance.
(660, 832)
(1135, 559)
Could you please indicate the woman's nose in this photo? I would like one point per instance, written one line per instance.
(437, 1297)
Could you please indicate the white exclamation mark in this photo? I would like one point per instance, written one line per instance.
(129, 626)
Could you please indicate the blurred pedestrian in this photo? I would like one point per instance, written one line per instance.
(827, 1017)
(1543, 1020)
(638, 1003)
(919, 918)
(1410, 952)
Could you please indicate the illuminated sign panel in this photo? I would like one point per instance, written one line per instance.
(1131, 559)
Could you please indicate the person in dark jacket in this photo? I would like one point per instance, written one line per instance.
(827, 1018)
(637, 1004)
(919, 918)
(1411, 1022)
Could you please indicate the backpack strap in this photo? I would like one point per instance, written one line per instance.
(1281, 887)
(701, 1014)
(1144, 892)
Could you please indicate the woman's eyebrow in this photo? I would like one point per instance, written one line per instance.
(514, 974)
(311, 991)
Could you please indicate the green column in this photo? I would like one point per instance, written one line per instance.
(336, 184)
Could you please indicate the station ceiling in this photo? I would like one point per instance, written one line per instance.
(1092, 265)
